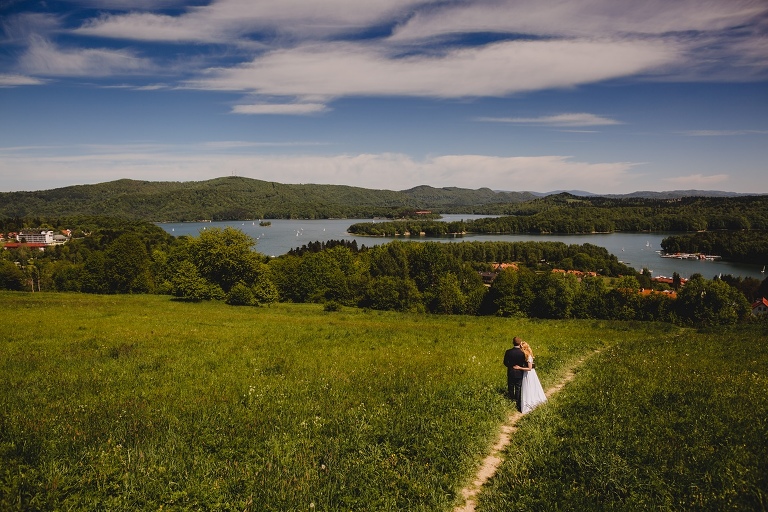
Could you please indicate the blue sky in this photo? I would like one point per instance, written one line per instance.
(608, 96)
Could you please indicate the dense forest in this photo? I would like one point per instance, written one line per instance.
(743, 246)
(568, 214)
(110, 256)
(236, 198)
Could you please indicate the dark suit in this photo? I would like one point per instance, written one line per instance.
(515, 357)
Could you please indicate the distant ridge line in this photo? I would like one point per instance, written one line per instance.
(240, 198)
(648, 194)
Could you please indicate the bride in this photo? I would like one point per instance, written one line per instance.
(532, 394)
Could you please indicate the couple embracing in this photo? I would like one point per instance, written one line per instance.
(523, 384)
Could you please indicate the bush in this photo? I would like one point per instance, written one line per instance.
(332, 305)
(240, 295)
(11, 277)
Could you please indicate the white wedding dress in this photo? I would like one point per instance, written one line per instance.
(532, 393)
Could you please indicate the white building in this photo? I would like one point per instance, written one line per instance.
(36, 237)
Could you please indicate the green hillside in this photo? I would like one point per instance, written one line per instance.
(242, 198)
(137, 402)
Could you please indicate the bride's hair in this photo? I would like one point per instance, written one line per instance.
(526, 349)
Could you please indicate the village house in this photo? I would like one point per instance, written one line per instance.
(668, 280)
(672, 294)
(488, 277)
(760, 307)
(578, 273)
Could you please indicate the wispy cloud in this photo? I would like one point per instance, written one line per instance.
(349, 69)
(17, 80)
(559, 120)
(146, 26)
(283, 109)
(579, 18)
(722, 133)
(45, 58)
(230, 20)
(296, 48)
(52, 167)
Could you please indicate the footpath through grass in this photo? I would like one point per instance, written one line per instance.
(678, 422)
(141, 403)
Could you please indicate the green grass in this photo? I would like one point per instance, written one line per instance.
(676, 423)
(142, 403)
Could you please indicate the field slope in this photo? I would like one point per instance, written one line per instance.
(141, 403)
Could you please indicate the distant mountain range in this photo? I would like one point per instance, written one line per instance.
(647, 194)
(236, 198)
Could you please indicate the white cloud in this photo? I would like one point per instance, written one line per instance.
(55, 167)
(722, 41)
(226, 20)
(283, 109)
(570, 42)
(144, 26)
(580, 18)
(343, 69)
(560, 120)
(308, 18)
(240, 144)
(16, 80)
(152, 87)
(537, 173)
(129, 5)
(222, 19)
(17, 29)
(44, 58)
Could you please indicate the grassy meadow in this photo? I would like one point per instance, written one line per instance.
(137, 402)
(677, 422)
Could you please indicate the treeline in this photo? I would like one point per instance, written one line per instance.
(741, 246)
(568, 214)
(221, 264)
(238, 198)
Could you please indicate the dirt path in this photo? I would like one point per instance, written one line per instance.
(491, 463)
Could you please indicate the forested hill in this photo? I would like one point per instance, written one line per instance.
(568, 214)
(238, 198)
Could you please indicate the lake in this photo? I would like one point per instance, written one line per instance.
(638, 250)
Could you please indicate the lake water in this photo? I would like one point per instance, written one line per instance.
(638, 250)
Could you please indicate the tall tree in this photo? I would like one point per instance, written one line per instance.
(224, 256)
(126, 268)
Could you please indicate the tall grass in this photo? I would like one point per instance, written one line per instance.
(679, 422)
(141, 403)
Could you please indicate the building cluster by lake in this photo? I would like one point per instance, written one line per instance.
(35, 239)
(691, 256)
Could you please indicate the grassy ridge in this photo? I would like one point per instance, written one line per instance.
(139, 403)
(678, 422)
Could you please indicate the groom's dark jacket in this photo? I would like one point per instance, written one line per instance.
(514, 356)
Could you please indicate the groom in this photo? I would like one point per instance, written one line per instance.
(515, 357)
